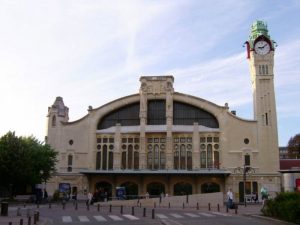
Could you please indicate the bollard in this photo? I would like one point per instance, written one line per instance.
(226, 208)
(140, 205)
(187, 198)
(28, 212)
(208, 206)
(159, 199)
(76, 206)
(38, 205)
(153, 214)
(235, 210)
(64, 205)
(37, 216)
(9, 223)
(132, 210)
(24, 205)
(4, 208)
(49, 205)
(110, 208)
(218, 208)
(121, 210)
(88, 207)
(98, 207)
(169, 205)
(19, 212)
(21, 221)
(183, 205)
(154, 204)
(29, 220)
(34, 218)
(197, 205)
(144, 212)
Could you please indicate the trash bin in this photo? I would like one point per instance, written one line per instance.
(4, 208)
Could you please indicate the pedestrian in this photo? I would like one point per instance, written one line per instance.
(264, 194)
(90, 197)
(229, 199)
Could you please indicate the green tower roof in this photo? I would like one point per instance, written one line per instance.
(259, 28)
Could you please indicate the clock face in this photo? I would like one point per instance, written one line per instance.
(262, 47)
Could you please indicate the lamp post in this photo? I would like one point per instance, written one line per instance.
(244, 171)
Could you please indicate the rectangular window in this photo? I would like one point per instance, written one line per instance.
(111, 140)
(216, 139)
(267, 72)
(259, 69)
(124, 140)
(202, 139)
(247, 160)
(209, 139)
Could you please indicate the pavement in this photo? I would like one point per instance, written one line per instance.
(19, 213)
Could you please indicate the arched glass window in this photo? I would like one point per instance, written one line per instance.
(149, 159)
(136, 160)
(126, 116)
(203, 159)
(216, 160)
(124, 160)
(182, 157)
(185, 114)
(98, 160)
(130, 156)
(162, 160)
(156, 157)
(209, 156)
(189, 160)
(176, 160)
(104, 158)
(110, 160)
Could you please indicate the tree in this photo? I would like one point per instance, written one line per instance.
(294, 147)
(24, 161)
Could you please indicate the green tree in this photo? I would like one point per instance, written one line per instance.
(24, 161)
(294, 147)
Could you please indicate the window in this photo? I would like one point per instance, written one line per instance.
(70, 160)
(183, 153)
(156, 112)
(130, 153)
(156, 157)
(53, 121)
(247, 160)
(210, 152)
(104, 154)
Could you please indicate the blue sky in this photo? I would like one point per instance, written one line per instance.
(91, 52)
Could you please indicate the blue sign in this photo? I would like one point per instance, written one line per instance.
(120, 193)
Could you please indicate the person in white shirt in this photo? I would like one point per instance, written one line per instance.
(229, 198)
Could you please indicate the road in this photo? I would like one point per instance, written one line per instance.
(135, 215)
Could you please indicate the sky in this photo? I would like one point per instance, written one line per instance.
(91, 52)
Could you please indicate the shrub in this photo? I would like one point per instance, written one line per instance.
(285, 206)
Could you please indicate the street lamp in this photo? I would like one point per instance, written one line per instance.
(244, 171)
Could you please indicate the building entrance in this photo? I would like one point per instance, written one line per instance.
(155, 189)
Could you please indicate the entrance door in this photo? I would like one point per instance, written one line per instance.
(155, 189)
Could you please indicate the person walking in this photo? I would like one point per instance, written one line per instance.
(229, 199)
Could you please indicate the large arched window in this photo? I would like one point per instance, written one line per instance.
(184, 114)
(126, 116)
(156, 112)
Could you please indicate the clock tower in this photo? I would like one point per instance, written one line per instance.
(261, 50)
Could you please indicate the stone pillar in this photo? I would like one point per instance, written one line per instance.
(196, 147)
(169, 139)
(143, 122)
(117, 148)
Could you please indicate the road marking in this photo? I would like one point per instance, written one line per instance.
(83, 219)
(115, 218)
(161, 216)
(100, 218)
(207, 215)
(131, 217)
(176, 215)
(170, 222)
(191, 215)
(67, 219)
(221, 214)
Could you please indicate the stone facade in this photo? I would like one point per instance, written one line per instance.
(160, 140)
